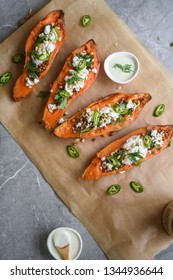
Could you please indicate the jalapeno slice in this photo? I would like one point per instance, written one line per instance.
(136, 187)
(113, 189)
(96, 118)
(18, 58)
(159, 110)
(121, 109)
(64, 93)
(114, 161)
(4, 79)
(81, 65)
(72, 151)
(55, 31)
(147, 141)
(86, 20)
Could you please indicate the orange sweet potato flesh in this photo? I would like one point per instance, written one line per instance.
(94, 172)
(65, 129)
(57, 17)
(51, 119)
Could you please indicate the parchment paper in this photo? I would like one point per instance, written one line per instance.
(128, 225)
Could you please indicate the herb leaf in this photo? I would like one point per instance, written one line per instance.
(126, 68)
(73, 79)
(42, 94)
(134, 156)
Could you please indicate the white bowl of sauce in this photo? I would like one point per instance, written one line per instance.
(121, 67)
(72, 236)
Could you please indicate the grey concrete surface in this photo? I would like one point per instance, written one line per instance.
(29, 208)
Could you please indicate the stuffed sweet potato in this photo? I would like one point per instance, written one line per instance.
(78, 74)
(129, 151)
(113, 112)
(43, 43)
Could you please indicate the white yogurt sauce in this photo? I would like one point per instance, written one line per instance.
(62, 236)
(123, 58)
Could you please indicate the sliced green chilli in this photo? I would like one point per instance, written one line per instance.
(86, 20)
(18, 58)
(113, 189)
(55, 31)
(81, 65)
(136, 187)
(4, 79)
(72, 151)
(159, 110)
(40, 39)
(114, 161)
(96, 118)
(121, 109)
(147, 141)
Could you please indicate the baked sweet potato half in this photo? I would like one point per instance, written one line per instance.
(78, 74)
(43, 43)
(129, 151)
(113, 112)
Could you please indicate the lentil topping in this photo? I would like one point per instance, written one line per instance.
(81, 66)
(100, 118)
(44, 45)
(133, 150)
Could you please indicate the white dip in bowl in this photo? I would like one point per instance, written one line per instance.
(121, 67)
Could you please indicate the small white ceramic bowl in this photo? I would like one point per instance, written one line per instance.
(120, 59)
(74, 239)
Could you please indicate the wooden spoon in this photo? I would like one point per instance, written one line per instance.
(62, 245)
(63, 251)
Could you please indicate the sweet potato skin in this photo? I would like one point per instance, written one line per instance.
(94, 172)
(65, 129)
(51, 119)
(57, 16)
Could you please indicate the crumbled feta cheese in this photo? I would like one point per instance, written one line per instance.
(157, 137)
(131, 105)
(135, 144)
(50, 47)
(76, 61)
(36, 80)
(52, 107)
(37, 62)
(61, 120)
(94, 70)
(29, 83)
(47, 29)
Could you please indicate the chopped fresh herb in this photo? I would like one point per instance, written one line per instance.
(61, 97)
(75, 78)
(18, 58)
(169, 143)
(31, 67)
(40, 39)
(32, 74)
(134, 156)
(43, 94)
(126, 68)
(86, 129)
(114, 161)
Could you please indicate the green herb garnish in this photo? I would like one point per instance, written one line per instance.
(134, 156)
(42, 94)
(62, 97)
(126, 68)
(75, 78)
